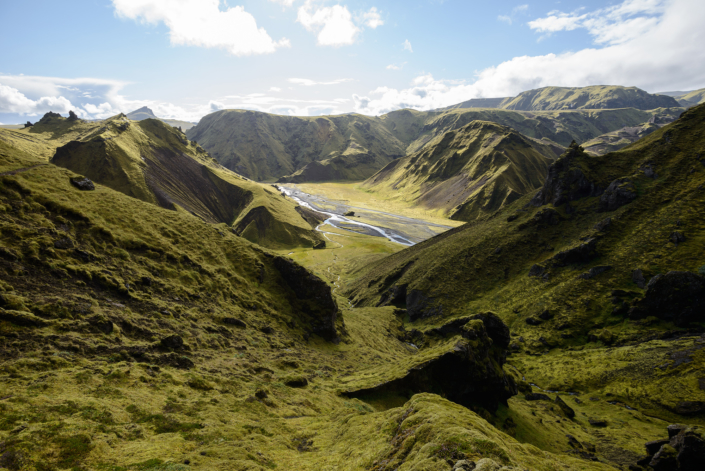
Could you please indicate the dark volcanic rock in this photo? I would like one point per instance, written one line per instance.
(467, 372)
(566, 181)
(318, 245)
(665, 459)
(536, 397)
(234, 321)
(537, 270)
(532, 321)
(604, 225)
(598, 422)
(72, 116)
(677, 296)
(690, 408)
(638, 278)
(172, 342)
(548, 216)
(677, 237)
(567, 410)
(619, 193)
(83, 184)
(420, 306)
(654, 446)
(313, 297)
(684, 450)
(581, 254)
(675, 429)
(64, 243)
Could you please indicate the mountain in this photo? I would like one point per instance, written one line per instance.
(615, 140)
(479, 103)
(353, 147)
(607, 255)
(593, 97)
(147, 113)
(693, 98)
(153, 162)
(468, 173)
(262, 146)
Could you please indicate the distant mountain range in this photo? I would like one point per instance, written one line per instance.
(268, 147)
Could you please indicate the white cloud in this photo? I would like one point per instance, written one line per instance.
(286, 3)
(407, 46)
(505, 19)
(311, 83)
(668, 54)
(14, 101)
(516, 11)
(333, 25)
(202, 23)
(372, 18)
(396, 66)
(612, 25)
(275, 89)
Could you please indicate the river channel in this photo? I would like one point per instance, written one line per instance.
(400, 229)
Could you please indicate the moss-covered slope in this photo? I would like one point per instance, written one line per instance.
(468, 173)
(137, 338)
(262, 146)
(574, 261)
(154, 162)
(592, 97)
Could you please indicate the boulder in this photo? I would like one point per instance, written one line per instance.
(349, 213)
(567, 410)
(619, 193)
(28, 125)
(536, 397)
(684, 450)
(604, 225)
(319, 244)
(598, 422)
(172, 342)
(537, 270)
(638, 278)
(677, 296)
(83, 184)
(566, 181)
(582, 253)
(464, 465)
(677, 237)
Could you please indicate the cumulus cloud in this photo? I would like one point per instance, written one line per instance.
(666, 55)
(372, 18)
(202, 23)
(407, 46)
(396, 66)
(311, 83)
(14, 101)
(334, 25)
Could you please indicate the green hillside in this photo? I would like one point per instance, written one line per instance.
(468, 173)
(605, 259)
(593, 97)
(138, 338)
(261, 146)
(693, 98)
(155, 163)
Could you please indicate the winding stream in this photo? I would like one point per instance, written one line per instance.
(400, 229)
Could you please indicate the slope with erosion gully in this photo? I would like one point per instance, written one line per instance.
(135, 337)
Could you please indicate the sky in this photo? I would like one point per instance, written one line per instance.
(188, 58)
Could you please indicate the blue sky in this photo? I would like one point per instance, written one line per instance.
(186, 58)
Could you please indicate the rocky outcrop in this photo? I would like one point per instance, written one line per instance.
(566, 181)
(83, 184)
(72, 116)
(677, 296)
(312, 297)
(467, 370)
(580, 254)
(620, 192)
(684, 450)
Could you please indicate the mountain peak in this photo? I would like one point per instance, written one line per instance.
(143, 113)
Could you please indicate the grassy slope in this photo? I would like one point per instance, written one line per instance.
(84, 383)
(484, 266)
(155, 163)
(693, 98)
(593, 97)
(265, 147)
(467, 173)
